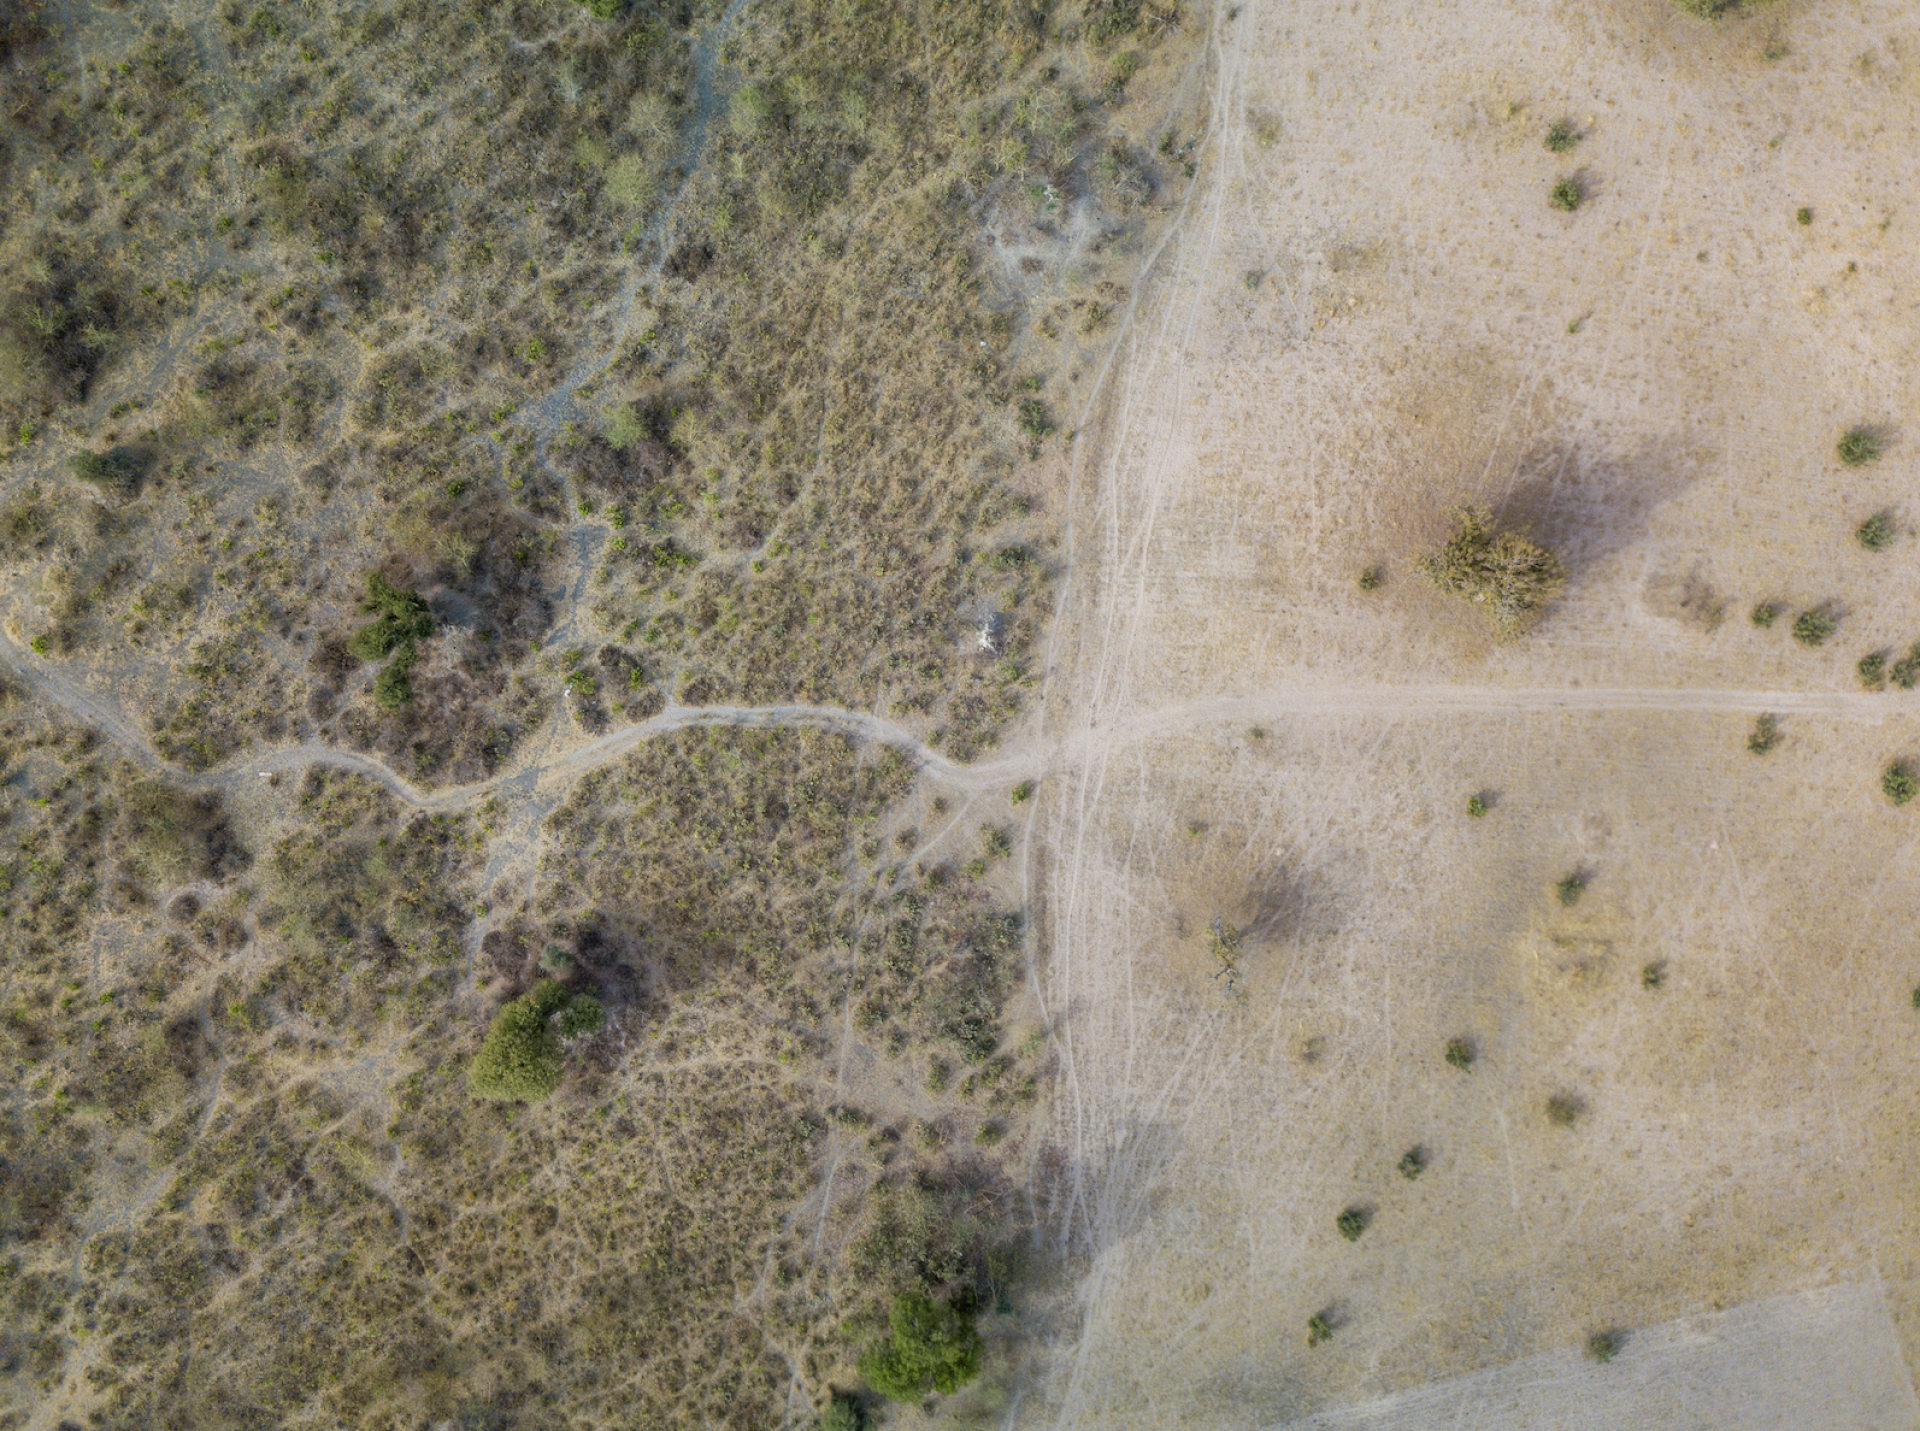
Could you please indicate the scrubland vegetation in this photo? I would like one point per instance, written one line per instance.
(452, 383)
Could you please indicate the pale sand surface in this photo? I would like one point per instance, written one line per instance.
(1749, 1131)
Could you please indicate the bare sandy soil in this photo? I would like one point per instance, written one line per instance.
(1366, 312)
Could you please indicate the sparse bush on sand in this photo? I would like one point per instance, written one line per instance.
(1461, 1054)
(1859, 446)
(1898, 783)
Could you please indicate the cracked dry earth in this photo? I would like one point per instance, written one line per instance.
(1365, 312)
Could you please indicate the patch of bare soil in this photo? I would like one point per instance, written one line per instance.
(1267, 908)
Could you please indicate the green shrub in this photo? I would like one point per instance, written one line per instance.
(1461, 1054)
(602, 9)
(1653, 976)
(1706, 9)
(1034, 421)
(520, 1058)
(1319, 1328)
(1872, 668)
(1898, 783)
(1763, 614)
(1564, 1110)
(1561, 136)
(1603, 1347)
(751, 109)
(1916, 998)
(1859, 446)
(1023, 792)
(842, 1414)
(934, 1347)
(1510, 577)
(393, 687)
(1371, 578)
(1352, 1222)
(1906, 671)
(1765, 735)
(585, 1015)
(1876, 534)
(1567, 195)
(1571, 888)
(1803, 217)
(1477, 806)
(1811, 628)
(116, 470)
(1412, 1163)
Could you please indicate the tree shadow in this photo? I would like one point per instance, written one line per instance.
(1587, 507)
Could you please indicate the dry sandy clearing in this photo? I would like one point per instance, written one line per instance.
(1367, 312)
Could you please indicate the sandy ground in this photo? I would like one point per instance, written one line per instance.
(1352, 327)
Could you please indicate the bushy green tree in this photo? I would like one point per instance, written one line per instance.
(934, 1347)
(402, 622)
(521, 1058)
(1508, 576)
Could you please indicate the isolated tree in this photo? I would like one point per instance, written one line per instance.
(1510, 577)
(520, 1060)
(934, 1347)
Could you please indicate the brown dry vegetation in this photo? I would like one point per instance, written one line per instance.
(658, 377)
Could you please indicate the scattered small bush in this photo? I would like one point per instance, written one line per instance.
(1319, 1328)
(1603, 1347)
(1906, 671)
(1859, 446)
(1567, 195)
(1476, 806)
(1561, 137)
(1803, 217)
(1765, 735)
(1872, 669)
(1763, 614)
(116, 470)
(1370, 579)
(1353, 1222)
(1876, 534)
(934, 1347)
(602, 9)
(1412, 1163)
(1034, 421)
(1898, 783)
(1653, 976)
(1460, 1054)
(1564, 1110)
(1916, 998)
(1510, 577)
(1571, 888)
(1811, 628)
(1022, 792)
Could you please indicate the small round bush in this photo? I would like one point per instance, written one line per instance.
(1763, 614)
(1898, 784)
(1460, 1054)
(1352, 1223)
(1811, 628)
(1571, 888)
(1561, 136)
(1859, 446)
(1564, 1110)
(1876, 534)
(1412, 1163)
(1803, 217)
(1603, 1347)
(1567, 195)
(1476, 806)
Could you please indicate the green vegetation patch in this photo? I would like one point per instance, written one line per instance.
(934, 1346)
